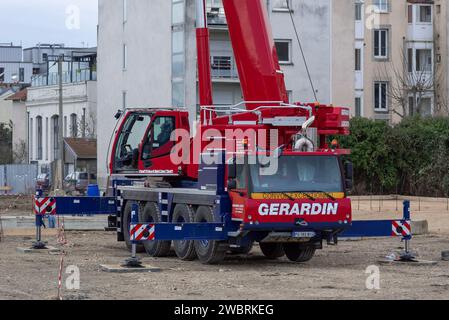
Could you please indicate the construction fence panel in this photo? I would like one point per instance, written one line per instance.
(18, 178)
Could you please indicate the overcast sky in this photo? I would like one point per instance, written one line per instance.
(72, 22)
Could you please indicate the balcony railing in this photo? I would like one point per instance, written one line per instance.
(75, 76)
(224, 67)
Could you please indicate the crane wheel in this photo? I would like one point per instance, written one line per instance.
(208, 251)
(185, 249)
(126, 223)
(298, 252)
(272, 250)
(150, 214)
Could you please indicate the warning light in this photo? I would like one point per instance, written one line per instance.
(334, 144)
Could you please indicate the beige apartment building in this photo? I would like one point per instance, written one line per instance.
(401, 50)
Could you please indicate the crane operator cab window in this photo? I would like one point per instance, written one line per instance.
(127, 152)
(158, 142)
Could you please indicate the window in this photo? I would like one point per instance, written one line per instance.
(425, 106)
(21, 75)
(125, 56)
(130, 138)
(410, 59)
(39, 137)
(44, 57)
(380, 96)
(73, 126)
(2, 74)
(358, 106)
(46, 139)
(178, 9)
(178, 53)
(282, 5)
(159, 142)
(425, 14)
(178, 59)
(31, 139)
(381, 44)
(358, 11)
(424, 60)
(283, 48)
(382, 5)
(358, 59)
(221, 66)
(65, 126)
(241, 177)
(55, 120)
(410, 14)
(411, 106)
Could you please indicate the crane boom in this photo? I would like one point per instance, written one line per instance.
(255, 52)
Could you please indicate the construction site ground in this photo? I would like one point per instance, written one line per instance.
(337, 272)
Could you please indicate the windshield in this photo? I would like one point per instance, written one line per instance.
(299, 174)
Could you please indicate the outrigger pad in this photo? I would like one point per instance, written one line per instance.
(117, 268)
(46, 249)
(407, 259)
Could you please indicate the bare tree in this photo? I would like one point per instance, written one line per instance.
(408, 80)
(86, 128)
(20, 152)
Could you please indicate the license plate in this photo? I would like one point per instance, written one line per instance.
(303, 234)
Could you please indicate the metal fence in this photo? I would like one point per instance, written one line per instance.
(18, 178)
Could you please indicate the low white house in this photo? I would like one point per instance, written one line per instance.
(79, 114)
(19, 125)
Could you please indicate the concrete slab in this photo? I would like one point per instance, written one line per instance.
(47, 250)
(117, 268)
(416, 262)
(420, 227)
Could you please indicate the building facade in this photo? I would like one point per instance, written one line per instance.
(19, 126)
(79, 112)
(147, 56)
(400, 58)
(13, 69)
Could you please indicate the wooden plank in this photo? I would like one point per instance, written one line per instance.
(5, 188)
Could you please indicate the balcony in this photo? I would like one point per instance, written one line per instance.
(52, 78)
(216, 17)
(224, 68)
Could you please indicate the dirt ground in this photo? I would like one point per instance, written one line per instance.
(337, 272)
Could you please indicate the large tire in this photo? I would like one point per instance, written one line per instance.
(126, 223)
(185, 250)
(297, 252)
(272, 250)
(208, 251)
(150, 214)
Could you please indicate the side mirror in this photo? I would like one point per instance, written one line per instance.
(232, 171)
(349, 176)
(232, 184)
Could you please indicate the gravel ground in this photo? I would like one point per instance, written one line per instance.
(337, 272)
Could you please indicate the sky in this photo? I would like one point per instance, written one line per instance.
(28, 22)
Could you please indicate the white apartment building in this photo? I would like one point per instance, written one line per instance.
(147, 56)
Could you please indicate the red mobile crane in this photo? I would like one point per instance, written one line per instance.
(289, 204)
(316, 193)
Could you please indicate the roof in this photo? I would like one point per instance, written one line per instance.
(18, 96)
(82, 148)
